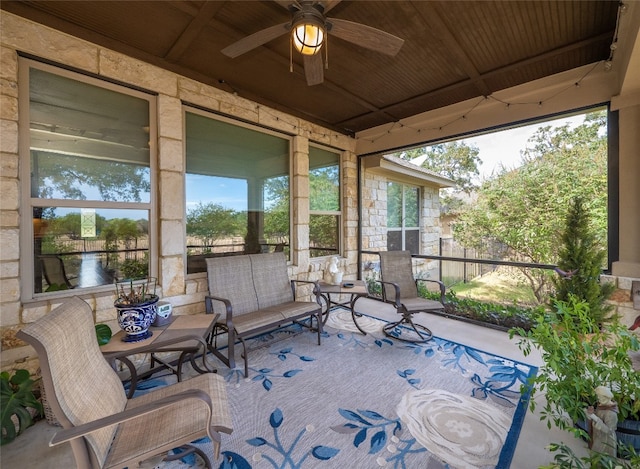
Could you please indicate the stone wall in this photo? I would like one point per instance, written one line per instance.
(374, 222)
(374, 209)
(186, 294)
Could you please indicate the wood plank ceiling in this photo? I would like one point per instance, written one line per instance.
(453, 50)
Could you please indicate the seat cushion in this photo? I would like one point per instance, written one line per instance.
(173, 426)
(297, 309)
(257, 320)
(421, 304)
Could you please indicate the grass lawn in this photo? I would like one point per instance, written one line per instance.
(496, 287)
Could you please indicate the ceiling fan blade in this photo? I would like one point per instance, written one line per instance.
(313, 69)
(365, 36)
(256, 39)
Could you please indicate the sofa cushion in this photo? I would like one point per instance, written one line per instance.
(297, 309)
(257, 321)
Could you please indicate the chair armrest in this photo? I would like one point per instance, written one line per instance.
(316, 287)
(208, 302)
(440, 285)
(396, 301)
(69, 434)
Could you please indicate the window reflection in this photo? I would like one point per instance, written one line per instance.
(70, 253)
(90, 187)
(237, 191)
(324, 202)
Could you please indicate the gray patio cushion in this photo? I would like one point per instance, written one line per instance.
(296, 309)
(257, 320)
(421, 304)
(272, 284)
(232, 278)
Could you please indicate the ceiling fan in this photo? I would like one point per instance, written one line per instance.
(309, 28)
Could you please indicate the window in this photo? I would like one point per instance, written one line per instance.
(90, 176)
(324, 202)
(403, 217)
(237, 190)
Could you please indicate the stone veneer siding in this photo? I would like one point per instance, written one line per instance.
(186, 294)
(374, 220)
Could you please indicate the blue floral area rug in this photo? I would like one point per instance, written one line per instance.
(369, 402)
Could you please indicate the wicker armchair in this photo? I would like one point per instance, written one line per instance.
(400, 288)
(105, 429)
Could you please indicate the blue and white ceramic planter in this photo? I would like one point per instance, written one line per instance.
(136, 319)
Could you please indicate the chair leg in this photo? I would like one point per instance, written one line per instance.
(319, 319)
(245, 356)
(424, 333)
(229, 359)
(190, 449)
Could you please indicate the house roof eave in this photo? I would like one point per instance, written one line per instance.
(392, 166)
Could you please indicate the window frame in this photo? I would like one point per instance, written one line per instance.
(186, 108)
(337, 213)
(403, 229)
(27, 284)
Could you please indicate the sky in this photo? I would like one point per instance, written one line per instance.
(503, 148)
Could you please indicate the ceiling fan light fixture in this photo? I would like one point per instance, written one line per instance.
(308, 37)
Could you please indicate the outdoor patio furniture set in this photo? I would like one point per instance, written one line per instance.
(248, 295)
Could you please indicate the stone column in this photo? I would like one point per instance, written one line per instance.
(171, 197)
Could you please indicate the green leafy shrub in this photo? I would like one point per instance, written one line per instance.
(564, 457)
(495, 314)
(578, 356)
(133, 268)
(16, 395)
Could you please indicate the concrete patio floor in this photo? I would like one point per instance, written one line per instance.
(31, 450)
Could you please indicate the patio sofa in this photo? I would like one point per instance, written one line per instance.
(253, 295)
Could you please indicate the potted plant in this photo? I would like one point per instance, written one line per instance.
(136, 303)
(579, 355)
(16, 398)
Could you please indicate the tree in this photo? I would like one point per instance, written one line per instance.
(276, 207)
(118, 230)
(324, 196)
(70, 225)
(524, 209)
(324, 188)
(212, 221)
(583, 259)
(63, 176)
(455, 160)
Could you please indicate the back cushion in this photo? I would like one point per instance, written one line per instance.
(270, 279)
(231, 278)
